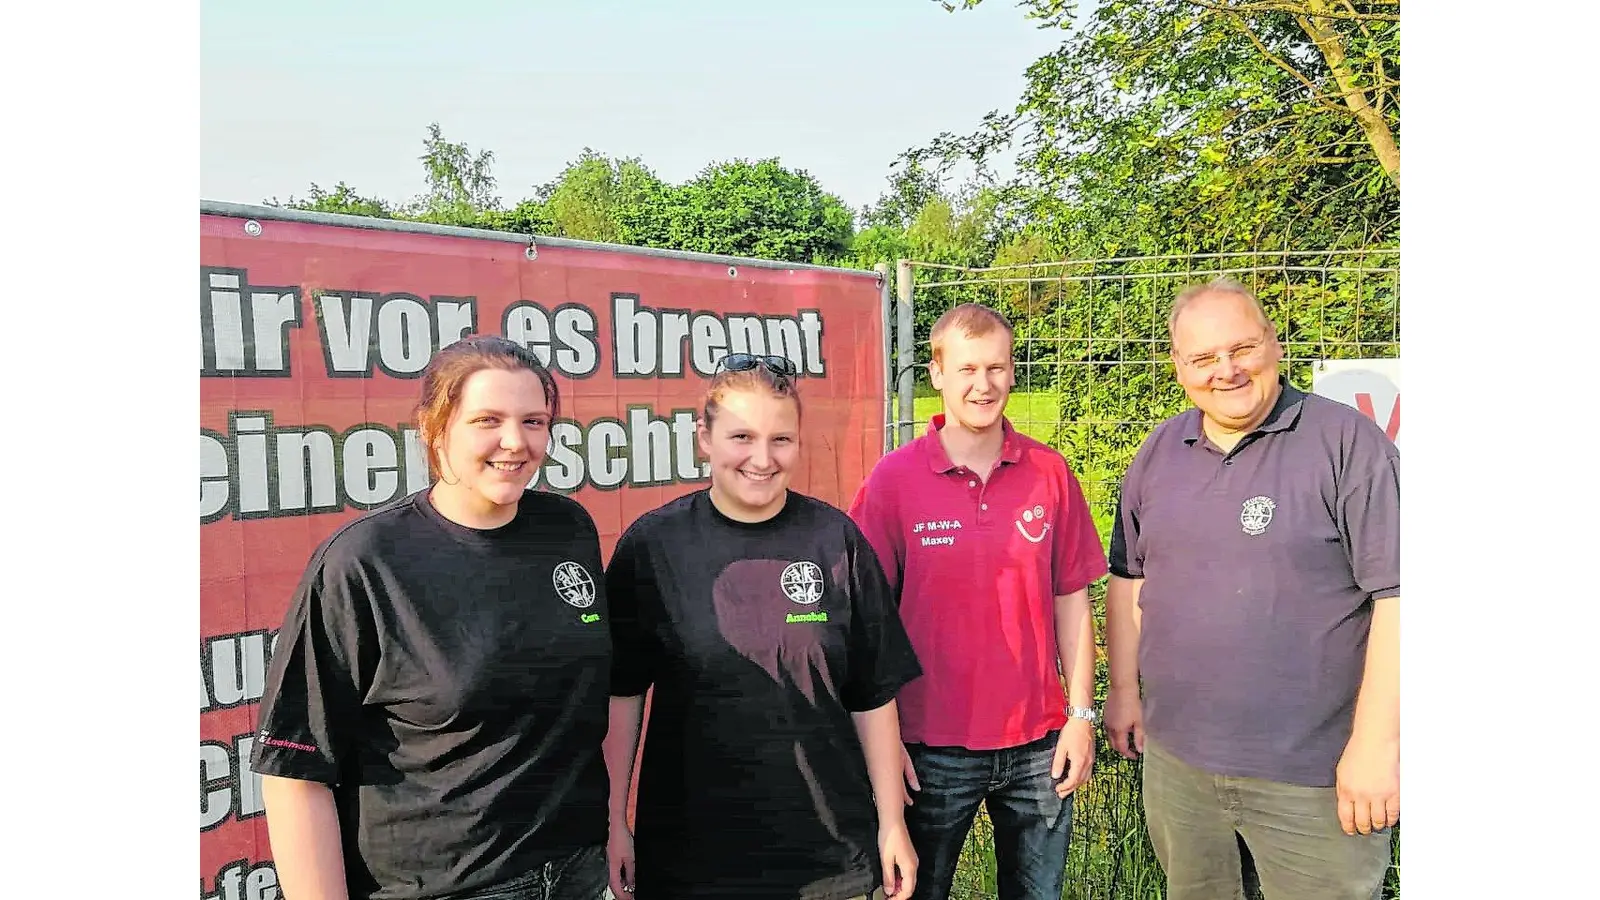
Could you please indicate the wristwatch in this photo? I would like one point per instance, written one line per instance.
(1086, 713)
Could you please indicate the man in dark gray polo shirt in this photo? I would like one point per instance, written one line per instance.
(1255, 589)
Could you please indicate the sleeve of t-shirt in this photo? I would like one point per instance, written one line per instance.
(870, 510)
(312, 703)
(1368, 502)
(881, 658)
(629, 586)
(1077, 556)
(1123, 558)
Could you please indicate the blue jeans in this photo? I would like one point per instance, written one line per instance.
(1031, 824)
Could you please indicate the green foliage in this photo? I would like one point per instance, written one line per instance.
(739, 208)
(911, 187)
(759, 209)
(527, 217)
(958, 232)
(876, 244)
(1174, 126)
(460, 184)
(596, 198)
(342, 199)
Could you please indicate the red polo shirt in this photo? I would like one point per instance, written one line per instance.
(977, 567)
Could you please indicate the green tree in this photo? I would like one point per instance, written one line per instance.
(460, 183)
(759, 209)
(911, 186)
(601, 199)
(342, 199)
(740, 208)
(959, 231)
(879, 243)
(1202, 125)
(918, 217)
(527, 217)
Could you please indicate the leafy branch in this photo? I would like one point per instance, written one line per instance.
(1296, 8)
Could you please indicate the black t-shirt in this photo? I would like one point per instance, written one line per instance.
(760, 639)
(451, 685)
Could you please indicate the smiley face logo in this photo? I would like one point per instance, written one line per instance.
(1026, 522)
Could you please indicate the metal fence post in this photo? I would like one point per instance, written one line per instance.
(886, 312)
(906, 320)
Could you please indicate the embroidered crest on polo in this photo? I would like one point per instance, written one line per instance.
(1026, 521)
(802, 582)
(1257, 514)
(574, 584)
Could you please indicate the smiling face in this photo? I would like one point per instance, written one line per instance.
(974, 375)
(496, 438)
(752, 440)
(1226, 357)
(484, 416)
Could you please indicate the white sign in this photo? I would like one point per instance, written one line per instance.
(1370, 385)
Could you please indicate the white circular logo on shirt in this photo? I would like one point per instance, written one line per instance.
(1257, 514)
(802, 582)
(574, 584)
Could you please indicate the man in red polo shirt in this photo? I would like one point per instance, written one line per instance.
(989, 545)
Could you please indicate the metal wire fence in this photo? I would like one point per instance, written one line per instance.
(1093, 378)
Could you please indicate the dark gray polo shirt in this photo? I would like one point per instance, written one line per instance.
(1259, 569)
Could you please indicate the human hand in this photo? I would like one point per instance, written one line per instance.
(899, 861)
(1125, 722)
(1074, 758)
(910, 773)
(1367, 785)
(619, 861)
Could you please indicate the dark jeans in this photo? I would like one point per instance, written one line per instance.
(580, 876)
(1198, 821)
(1031, 824)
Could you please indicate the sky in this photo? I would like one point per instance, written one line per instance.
(301, 91)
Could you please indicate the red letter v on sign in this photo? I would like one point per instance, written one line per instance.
(1364, 403)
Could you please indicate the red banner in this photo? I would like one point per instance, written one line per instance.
(312, 341)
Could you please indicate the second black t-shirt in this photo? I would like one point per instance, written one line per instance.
(761, 639)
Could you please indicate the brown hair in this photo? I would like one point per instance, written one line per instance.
(447, 374)
(974, 320)
(760, 378)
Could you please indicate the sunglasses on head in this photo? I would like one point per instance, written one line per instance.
(744, 362)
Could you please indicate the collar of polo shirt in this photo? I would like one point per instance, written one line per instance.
(1285, 413)
(939, 460)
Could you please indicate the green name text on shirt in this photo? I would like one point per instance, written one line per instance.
(807, 617)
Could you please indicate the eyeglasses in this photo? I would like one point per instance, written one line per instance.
(744, 362)
(1240, 354)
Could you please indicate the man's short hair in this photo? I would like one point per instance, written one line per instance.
(973, 319)
(1215, 286)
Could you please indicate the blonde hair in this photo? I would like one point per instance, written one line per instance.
(758, 378)
(974, 319)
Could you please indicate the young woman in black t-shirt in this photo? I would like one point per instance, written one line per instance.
(437, 697)
(761, 618)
